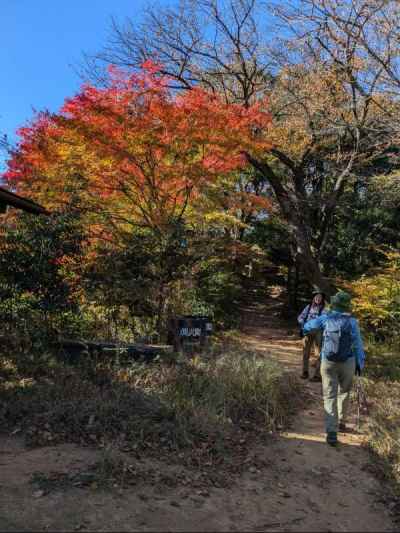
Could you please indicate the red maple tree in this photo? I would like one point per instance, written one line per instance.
(136, 149)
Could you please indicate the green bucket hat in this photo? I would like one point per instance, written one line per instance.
(341, 302)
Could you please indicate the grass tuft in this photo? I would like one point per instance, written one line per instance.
(200, 406)
(382, 387)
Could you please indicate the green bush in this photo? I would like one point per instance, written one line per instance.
(40, 260)
(220, 288)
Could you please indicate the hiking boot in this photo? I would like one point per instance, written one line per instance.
(304, 375)
(316, 379)
(331, 438)
(342, 427)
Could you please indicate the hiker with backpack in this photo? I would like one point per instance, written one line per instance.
(312, 341)
(342, 356)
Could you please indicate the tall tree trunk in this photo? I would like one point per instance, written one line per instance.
(292, 208)
(289, 287)
(305, 257)
(160, 309)
(296, 285)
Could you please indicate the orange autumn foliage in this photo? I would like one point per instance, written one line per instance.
(136, 149)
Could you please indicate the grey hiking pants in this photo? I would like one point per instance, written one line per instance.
(337, 379)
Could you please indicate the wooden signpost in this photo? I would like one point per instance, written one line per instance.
(189, 330)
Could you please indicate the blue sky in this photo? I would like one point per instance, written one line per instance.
(41, 42)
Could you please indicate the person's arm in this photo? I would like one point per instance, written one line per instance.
(358, 348)
(302, 316)
(314, 324)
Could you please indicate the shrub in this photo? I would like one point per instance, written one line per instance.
(384, 427)
(377, 298)
(39, 277)
(382, 387)
(68, 407)
(195, 405)
(383, 359)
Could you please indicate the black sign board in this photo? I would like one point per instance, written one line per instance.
(189, 328)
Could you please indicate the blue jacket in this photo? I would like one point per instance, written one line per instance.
(357, 349)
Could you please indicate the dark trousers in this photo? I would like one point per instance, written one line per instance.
(312, 342)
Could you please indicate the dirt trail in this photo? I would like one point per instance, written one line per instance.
(306, 486)
(330, 489)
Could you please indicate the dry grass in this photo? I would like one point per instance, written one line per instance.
(200, 406)
(384, 427)
(383, 359)
(382, 387)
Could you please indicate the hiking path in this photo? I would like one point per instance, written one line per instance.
(299, 483)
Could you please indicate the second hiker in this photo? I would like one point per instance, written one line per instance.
(313, 341)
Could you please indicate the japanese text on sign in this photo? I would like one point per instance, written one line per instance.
(190, 332)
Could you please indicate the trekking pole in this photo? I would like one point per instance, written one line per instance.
(361, 400)
(358, 399)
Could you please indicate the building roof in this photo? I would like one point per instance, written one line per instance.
(9, 198)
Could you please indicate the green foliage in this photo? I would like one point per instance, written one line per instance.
(219, 286)
(185, 299)
(40, 277)
(139, 273)
(272, 236)
(133, 271)
(37, 256)
(366, 222)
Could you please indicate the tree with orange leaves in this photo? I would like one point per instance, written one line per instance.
(136, 151)
(146, 163)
